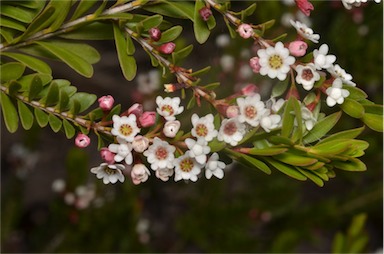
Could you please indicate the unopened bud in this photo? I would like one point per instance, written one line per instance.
(171, 128)
(136, 109)
(167, 48)
(147, 119)
(139, 173)
(255, 65)
(232, 111)
(140, 144)
(155, 33)
(82, 140)
(205, 13)
(107, 155)
(249, 89)
(245, 31)
(106, 102)
(298, 48)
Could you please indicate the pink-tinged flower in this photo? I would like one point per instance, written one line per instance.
(249, 89)
(232, 111)
(82, 140)
(136, 109)
(298, 48)
(140, 144)
(171, 128)
(164, 173)
(167, 48)
(245, 31)
(169, 107)
(255, 65)
(160, 154)
(107, 155)
(154, 33)
(231, 131)
(305, 6)
(205, 13)
(139, 173)
(147, 119)
(109, 173)
(106, 102)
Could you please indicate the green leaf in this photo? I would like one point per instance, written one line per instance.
(85, 99)
(355, 93)
(374, 109)
(181, 54)
(130, 46)
(10, 23)
(216, 145)
(289, 171)
(298, 132)
(232, 32)
(27, 80)
(212, 86)
(294, 159)
(312, 176)
(83, 7)
(13, 88)
(127, 63)
(54, 122)
(31, 62)
(18, 13)
(288, 118)
(61, 11)
(42, 21)
(10, 116)
(152, 21)
(184, 10)
(68, 129)
(200, 27)
(338, 243)
(74, 107)
(92, 31)
(267, 151)
(352, 108)
(41, 117)
(352, 164)
(26, 116)
(52, 96)
(331, 147)
(253, 162)
(76, 62)
(248, 12)
(201, 71)
(322, 127)
(11, 71)
(280, 140)
(375, 122)
(357, 225)
(279, 88)
(170, 34)
(348, 134)
(63, 100)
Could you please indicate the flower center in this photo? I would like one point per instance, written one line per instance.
(126, 129)
(186, 165)
(230, 128)
(109, 171)
(307, 74)
(168, 109)
(250, 112)
(275, 62)
(161, 153)
(201, 130)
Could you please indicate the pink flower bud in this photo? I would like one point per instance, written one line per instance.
(305, 6)
(136, 109)
(139, 173)
(249, 89)
(147, 119)
(107, 155)
(171, 128)
(82, 140)
(205, 13)
(106, 102)
(255, 65)
(298, 48)
(232, 111)
(245, 31)
(167, 48)
(140, 144)
(155, 33)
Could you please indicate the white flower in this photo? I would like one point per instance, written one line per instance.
(231, 131)
(321, 59)
(149, 82)
(214, 167)
(348, 4)
(307, 75)
(274, 105)
(125, 127)
(168, 107)
(275, 61)
(335, 93)
(139, 173)
(269, 122)
(306, 32)
(251, 109)
(186, 168)
(164, 173)
(308, 119)
(198, 149)
(123, 151)
(171, 128)
(203, 127)
(338, 72)
(110, 173)
(160, 154)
